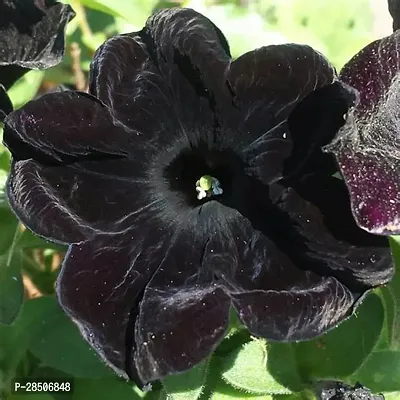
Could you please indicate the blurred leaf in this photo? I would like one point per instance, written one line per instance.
(394, 289)
(15, 339)
(12, 288)
(30, 396)
(104, 389)
(133, 11)
(8, 226)
(381, 372)
(338, 353)
(26, 88)
(28, 240)
(246, 369)
(392, 395)
(3, 197)
(59, 345)
(189, 385)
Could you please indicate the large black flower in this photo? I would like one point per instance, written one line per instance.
(31, 37)
(187, 184)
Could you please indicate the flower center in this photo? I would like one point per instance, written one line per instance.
(199, 174)
(208, 186)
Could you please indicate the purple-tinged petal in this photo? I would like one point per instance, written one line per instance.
(71, 203)
(100, 285)
(32, 36)
(266, 85)
(62, 125)
(183, 314)
(367, 148)
(276, 297)
(323, 235)
(165, 79)
(295, 314)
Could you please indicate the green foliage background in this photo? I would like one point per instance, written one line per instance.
(38, 340)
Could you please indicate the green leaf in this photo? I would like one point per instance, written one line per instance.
(189, 385)
(104, 389)
(28, 240)
(394, 289)
(338, 353)
(381, 372)
(392, 395)
(12, 288)
(59, 345)
(385, 341)
(15, 339)
(26, 88)
(223, 391)
(133, 11)
(30, 396)
(246, 369)
(8, 226)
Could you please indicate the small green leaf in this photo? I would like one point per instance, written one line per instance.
(189, 385)
(246, 369)
(104, 389)
(338, 353)
(391, 395)
(59, 345)
(223, 391)
(381, 372)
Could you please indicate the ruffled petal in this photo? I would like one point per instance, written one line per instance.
(323, 235)
(183, 300)
(32, 36)
(367, 148)
(294, 314)
(266, 85)
(165, 79)
(64, 127)
(100, 285)
(71, 203)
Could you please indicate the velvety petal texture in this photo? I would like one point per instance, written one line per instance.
(32, 36)
(189, 185)
(367, 147)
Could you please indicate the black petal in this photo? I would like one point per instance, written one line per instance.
(64, 127)
(183, 314)
(266, 85)
(100, 285)
(70, 203)
(368, 147)
(163, 81)
(32, 36)
(394, 9)
(275, 297)
(323, 235)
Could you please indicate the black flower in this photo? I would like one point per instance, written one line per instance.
(31, 37)
(368, 145)
(187, 184)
